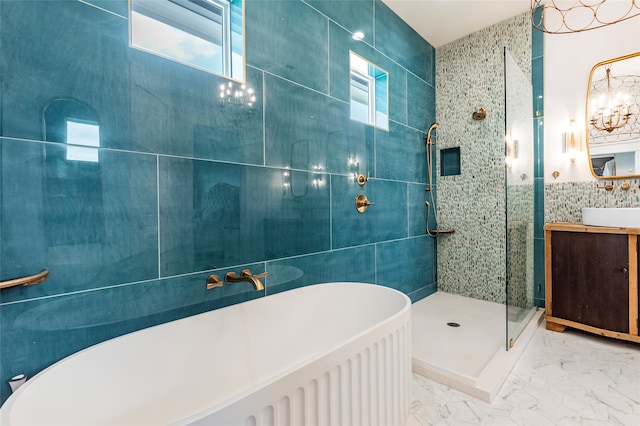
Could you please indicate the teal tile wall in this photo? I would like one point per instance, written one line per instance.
(185, 185)
(537, 80)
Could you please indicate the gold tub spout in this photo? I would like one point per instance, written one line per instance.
(246, 275)
(30, 280)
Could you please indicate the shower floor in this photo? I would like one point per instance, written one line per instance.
(471, 358)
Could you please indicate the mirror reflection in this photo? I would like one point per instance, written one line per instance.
(204, 34)
(612, 118)
(368, 92)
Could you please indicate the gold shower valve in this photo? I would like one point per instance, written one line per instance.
(362, 203)
(362, 179)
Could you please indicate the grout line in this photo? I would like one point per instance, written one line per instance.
(158, 209)
(102, 9)
(264, 120)
(328, 57)
(330, 213)
(408, 210)
(266, 279)
(188, 274)
(406, 98)
(209, 160)
(375, 155)
(373, 26)
(375, 263)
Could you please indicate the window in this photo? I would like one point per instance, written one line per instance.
(82, 140)
(368, 93)
(205, 34)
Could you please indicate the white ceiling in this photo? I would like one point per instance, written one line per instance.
(443, 21)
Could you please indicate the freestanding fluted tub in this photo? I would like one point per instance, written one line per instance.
(327, 354)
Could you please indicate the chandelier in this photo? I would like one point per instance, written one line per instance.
(572, 16)
(242, 95)
(612, 111)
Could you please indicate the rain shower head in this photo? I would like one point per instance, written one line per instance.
(480, 114)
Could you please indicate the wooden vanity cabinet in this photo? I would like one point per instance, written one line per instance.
(592, 279)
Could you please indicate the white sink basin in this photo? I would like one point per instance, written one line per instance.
(617, 218)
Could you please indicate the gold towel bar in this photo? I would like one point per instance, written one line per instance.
(30, 280)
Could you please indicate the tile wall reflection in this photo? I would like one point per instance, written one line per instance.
(181, 184)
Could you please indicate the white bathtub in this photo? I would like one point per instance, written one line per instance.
(327, 354)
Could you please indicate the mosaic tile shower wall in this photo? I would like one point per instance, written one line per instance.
(469, 75)
(183, 186)
(564, 201)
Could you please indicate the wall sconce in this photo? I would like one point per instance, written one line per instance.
(572, 141)
(512, 149)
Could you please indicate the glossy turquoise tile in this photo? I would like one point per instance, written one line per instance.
(214, 215)
(176, 109)
(400, 154)
(119, 7)
(538, 218)
(537, 76)
(354, 15)
(386, 220)
(37, 333)
(418, 209)
(396, 39)
(538, 147)
(423, 292)
(63, 62)
(229, 131)
(396, 267)
(289, 39)
(310, 131)
(421, 103)
(152, 105)
(92, 224)
(352, 265)
(341, 45)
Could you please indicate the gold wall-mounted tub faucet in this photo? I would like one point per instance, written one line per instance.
(246, 275)
(214, 281)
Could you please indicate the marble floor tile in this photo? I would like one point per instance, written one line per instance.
(569, 378)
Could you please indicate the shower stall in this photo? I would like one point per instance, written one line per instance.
(470, 333)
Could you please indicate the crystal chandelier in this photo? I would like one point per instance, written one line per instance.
(572, 16)
(612, 110)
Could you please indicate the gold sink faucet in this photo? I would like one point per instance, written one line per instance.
(246, 275)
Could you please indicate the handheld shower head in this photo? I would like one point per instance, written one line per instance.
(431, 128)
